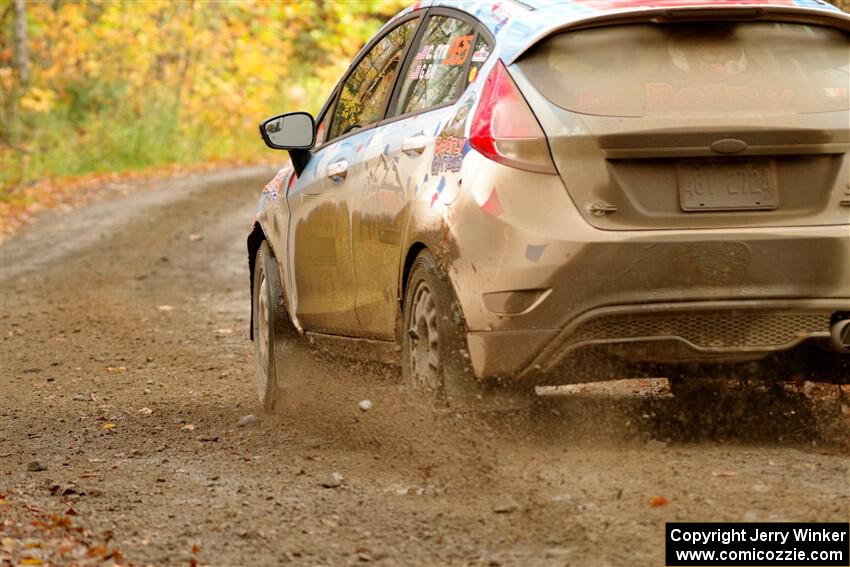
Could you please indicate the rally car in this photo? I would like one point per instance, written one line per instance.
(512, 193)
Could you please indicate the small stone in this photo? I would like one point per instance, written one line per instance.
(208, 438)
(35, 466)
(147, 391)
(249, 419)
(334, 480)
(365, 405)
(505, 508)
(80, 398)
(195, 237)
(760, 488)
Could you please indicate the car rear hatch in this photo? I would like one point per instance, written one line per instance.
(697, 124)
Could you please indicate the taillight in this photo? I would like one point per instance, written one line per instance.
(505, 130)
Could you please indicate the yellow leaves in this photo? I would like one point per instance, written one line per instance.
(7, 78)
(108, 426)
(103, 73)
(38, 100)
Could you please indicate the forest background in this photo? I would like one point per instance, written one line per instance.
(104, 86)
(109, 86)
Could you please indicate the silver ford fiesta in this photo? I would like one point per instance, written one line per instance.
(516, 193)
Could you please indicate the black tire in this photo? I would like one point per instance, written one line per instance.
(273, 331)
(434, 356)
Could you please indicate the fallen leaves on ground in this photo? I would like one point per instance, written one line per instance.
(658, 501)
(32, 535)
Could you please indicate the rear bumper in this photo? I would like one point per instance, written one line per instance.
(537, 283)
(708, 331)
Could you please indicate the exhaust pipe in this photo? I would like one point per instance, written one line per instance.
(840, 334)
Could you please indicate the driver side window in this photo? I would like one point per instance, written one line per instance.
(364, 93)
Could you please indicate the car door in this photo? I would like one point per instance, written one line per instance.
(424, 114)
(323, 279)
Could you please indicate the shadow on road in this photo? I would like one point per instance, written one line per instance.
(717, 412)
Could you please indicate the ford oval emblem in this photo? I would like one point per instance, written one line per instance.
(729, 146)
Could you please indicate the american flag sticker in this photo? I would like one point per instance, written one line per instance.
(414, 73)
(480, 55)
(423, 53)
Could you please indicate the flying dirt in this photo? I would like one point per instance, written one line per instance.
(132, 431)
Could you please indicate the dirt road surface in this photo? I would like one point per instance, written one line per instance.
(127, 375)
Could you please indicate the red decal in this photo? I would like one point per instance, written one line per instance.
(493, 205)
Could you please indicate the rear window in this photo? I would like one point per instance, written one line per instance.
(694, 69)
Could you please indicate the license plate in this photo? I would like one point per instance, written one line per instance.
(727, 186)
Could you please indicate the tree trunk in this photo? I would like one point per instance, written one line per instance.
(22, 53)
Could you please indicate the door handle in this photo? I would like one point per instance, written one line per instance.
(415, 145)
(338, 170)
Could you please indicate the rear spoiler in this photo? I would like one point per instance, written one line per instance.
(833, 18)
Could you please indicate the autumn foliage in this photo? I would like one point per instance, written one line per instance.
(116, 85)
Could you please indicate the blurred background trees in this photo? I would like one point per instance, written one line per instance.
(98, 85)
(111, 85)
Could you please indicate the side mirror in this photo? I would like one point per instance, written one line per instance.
(290, 131)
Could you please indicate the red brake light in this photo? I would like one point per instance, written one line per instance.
(505, 130)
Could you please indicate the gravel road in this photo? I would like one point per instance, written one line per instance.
(127, 379)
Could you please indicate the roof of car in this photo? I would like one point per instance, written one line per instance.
(517, 24)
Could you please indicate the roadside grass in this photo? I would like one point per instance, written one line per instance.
(68, 154)
(57, 144)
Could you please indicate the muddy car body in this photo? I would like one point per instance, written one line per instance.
(648, 183)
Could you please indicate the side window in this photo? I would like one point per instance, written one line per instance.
(364, 94)
(439, 70)
(479, 56)
(322, 130)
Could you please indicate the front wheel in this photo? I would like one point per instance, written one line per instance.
(273, 330)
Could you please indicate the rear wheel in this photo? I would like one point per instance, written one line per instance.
(434, 356)
(273, 331)
(435, 359)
